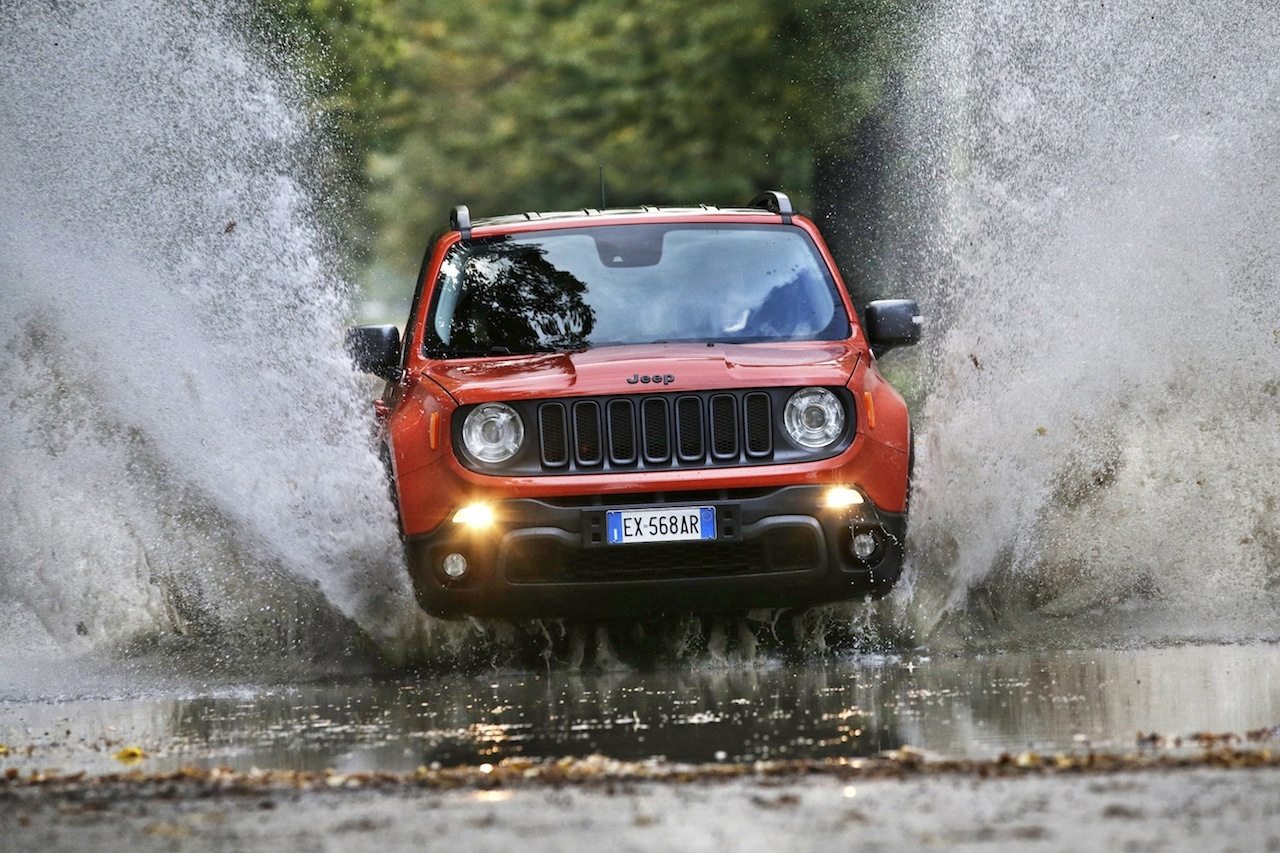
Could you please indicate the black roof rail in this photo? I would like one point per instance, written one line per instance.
(460, 221)
(775, 202)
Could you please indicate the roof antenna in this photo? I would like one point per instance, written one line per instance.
(602, 204)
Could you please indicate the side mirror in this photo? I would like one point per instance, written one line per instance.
(892, 323)
(376, 350)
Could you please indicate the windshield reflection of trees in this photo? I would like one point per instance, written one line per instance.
(789, 312)
(516, 299)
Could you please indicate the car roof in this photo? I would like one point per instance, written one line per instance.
(766, 205)
(591, 213)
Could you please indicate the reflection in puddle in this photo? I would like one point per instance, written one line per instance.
(956, 706)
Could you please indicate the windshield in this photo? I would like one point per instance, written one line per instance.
(633, 284)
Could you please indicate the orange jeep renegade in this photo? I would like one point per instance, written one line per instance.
(607, 413)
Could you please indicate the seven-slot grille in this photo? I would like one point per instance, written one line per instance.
(680, 430)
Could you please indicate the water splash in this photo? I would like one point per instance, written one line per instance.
(1090, 206)
(184, 445)
(186, 449)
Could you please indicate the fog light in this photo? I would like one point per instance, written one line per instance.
(455, 566)
(474, 515)
(842, 497)
(863, 545)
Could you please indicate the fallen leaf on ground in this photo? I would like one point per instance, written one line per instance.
(130, 755)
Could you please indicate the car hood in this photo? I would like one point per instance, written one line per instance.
(667, 367)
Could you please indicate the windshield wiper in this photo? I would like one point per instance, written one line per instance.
(476, 352)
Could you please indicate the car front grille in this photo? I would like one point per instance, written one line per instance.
(660, 431)
(682, 430)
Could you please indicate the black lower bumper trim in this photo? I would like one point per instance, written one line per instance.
(780, 548)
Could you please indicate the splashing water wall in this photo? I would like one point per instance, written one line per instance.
(182, 439)
(1089, 215)
(1093, 192)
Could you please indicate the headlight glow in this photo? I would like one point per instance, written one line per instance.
(813, 417)
(474, 515)
(493, 432)
(842, 497)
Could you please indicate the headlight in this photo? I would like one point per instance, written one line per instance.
(814, 417)
(493, 432)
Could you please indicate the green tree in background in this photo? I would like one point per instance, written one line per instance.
(513, 105)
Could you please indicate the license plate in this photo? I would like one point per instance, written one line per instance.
(676, 524)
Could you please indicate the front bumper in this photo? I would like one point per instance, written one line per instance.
(547, 558)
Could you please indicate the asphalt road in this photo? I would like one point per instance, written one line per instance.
(79, 715)
(687, 723)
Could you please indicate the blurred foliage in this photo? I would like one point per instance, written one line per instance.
(347, 54)
(351, 51)
(514, 105)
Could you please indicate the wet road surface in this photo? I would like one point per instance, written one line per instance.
(71, 717)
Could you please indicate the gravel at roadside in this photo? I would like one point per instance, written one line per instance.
(1203, 809)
